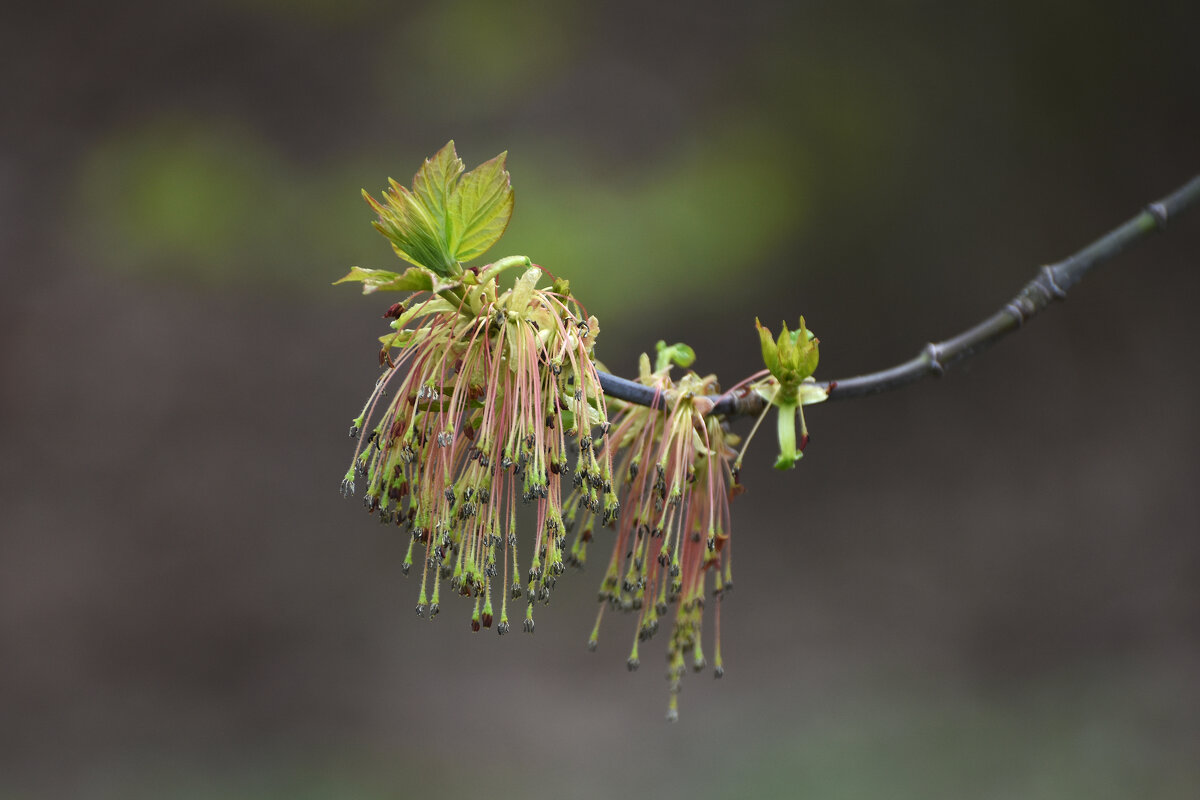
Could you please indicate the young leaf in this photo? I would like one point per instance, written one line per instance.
(448, 216)
(678, 354)
(415, 234)
(770, 351)
(435, 181)
(480, 208)
(414, 279)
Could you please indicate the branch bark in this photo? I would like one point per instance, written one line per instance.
(1049, 285)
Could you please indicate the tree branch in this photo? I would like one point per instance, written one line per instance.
(1050, 284)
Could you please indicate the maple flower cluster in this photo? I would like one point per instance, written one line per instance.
(676, 465)
(491, 399)
(486, 410)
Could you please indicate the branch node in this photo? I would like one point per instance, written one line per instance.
(1159, 212)
(933, 356)
(1014, 308)
(1056, 291)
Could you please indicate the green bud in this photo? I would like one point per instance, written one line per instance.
(678, 354)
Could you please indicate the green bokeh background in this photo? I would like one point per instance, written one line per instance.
(987, 586)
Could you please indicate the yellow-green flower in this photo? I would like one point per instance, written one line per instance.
(791, 358)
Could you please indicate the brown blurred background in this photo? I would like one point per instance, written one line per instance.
(984, 586)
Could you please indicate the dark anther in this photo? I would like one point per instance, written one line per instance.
(394, 311)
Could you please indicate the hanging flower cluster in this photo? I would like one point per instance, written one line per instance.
(491, 399)
(675, 463)
(488, 396)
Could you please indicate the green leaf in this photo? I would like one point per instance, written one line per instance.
(480, 208)
(415, 234)
(770, 352)
(414, 279)
(435, 181)
(786, 347)
(448, 216)
(807, 354)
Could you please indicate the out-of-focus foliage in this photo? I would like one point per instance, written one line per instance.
(204, 201)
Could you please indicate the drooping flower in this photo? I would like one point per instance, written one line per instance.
(487, 397)
(675, 463)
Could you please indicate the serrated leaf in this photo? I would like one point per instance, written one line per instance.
(435, 181)
(414, 232)
(448, 216)
(480, 209)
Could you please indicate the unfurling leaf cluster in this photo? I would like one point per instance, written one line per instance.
(449, 216)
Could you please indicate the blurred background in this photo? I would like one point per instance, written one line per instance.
(983, 586)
